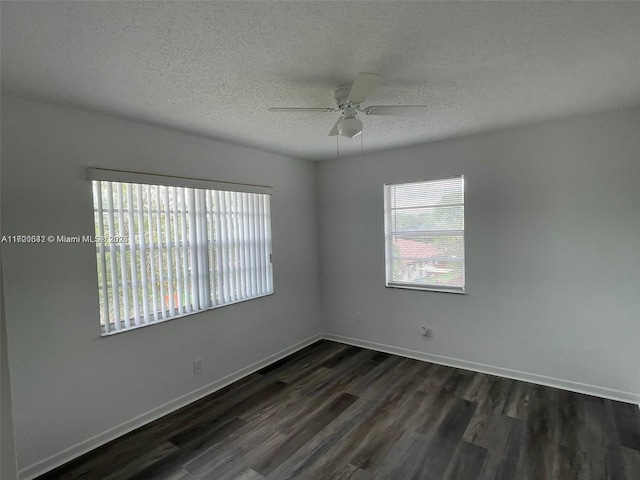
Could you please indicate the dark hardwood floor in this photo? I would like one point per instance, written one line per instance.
(333, 411)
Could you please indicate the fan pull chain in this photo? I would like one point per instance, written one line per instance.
(361, 145)
(337, 149)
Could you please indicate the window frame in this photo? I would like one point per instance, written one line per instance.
(200, 233)
(389, 232)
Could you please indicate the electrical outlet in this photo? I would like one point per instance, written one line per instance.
(426, 333)
(197, 367)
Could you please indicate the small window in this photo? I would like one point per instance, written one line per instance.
(167, 251)
(424, 235)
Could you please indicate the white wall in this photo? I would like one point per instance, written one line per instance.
(70, 386)
(552, 248)
(7, 445)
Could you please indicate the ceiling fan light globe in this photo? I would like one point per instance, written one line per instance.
(350, 127)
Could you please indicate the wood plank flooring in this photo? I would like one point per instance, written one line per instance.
(333, 411)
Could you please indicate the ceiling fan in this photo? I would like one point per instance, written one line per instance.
(349, 99)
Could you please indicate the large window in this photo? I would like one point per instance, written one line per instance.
(165, 250)
(424, 235)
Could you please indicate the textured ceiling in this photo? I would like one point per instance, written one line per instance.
(213, 68)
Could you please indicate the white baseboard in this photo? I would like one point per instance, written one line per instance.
(96, 441)
(620, 395)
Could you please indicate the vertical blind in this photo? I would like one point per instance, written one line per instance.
(168, 251)
(424, 235)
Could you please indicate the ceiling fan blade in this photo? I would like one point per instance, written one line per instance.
(334, 130)
(363, 86)
(399, 110)
(293, 109)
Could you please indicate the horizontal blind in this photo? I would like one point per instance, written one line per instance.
(167, 251)
(424, 234)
